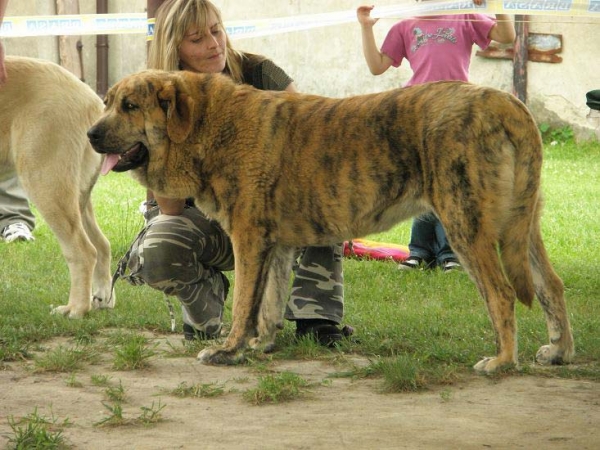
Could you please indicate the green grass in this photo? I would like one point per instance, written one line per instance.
(436, 321)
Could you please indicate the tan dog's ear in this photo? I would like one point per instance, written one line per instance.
(179, 108)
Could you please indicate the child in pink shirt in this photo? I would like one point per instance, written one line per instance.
(437, 48)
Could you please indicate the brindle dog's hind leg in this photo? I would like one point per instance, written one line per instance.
(252, 263)
(482, 262)
(270, 319)
(550, 293)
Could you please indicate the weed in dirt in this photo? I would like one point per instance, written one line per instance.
(100, 380)
(446, 395)
(277, 388)
(400, 374)
(200, 390)
(62, 359)
(73, 382)
(133, 354)
(152, 414)
(115, 418)
(115, 393)
(36, 431)
(13, 350)
(149, 415)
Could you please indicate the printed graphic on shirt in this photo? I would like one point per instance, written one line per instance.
(441, 36)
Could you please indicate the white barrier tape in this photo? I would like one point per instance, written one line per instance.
(136, 23)
(580, 8)
(66, 25)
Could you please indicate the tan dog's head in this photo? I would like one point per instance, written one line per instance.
(144, 113)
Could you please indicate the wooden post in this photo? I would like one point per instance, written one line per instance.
(151, 8)
(69, 47)
(520, 58)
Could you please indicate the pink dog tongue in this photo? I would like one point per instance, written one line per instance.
(110, 161)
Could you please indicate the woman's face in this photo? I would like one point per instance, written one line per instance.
(204, 51)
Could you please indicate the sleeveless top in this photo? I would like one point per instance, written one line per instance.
(264, 74)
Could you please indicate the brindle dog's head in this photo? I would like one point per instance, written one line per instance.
(144, 113)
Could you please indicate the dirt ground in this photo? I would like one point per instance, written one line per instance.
(481, 413)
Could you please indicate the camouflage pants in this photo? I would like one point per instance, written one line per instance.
(185, 256)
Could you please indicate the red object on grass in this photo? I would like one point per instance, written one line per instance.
(366, 249)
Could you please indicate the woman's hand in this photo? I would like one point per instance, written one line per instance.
(170, 206)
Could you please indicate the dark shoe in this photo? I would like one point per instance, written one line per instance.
(191, 334)
(325, 332)
(413, 262)
(225, 284)
(451, 264)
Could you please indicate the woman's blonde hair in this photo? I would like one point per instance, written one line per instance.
(174, 18)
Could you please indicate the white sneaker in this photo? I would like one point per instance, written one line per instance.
(17, 232)
(412, 263)
(450, 265)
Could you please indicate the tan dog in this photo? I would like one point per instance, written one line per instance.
(281, 170)
(45, 112)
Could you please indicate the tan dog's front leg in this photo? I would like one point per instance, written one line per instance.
(251, 272)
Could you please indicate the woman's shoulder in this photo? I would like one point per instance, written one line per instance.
(251, 60)
(262, 73)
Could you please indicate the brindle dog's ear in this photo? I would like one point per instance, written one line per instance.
(179, 108)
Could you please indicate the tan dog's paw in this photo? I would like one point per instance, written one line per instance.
(104, 302)
(70, 311)
(221, 357)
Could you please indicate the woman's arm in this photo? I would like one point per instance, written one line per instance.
(169, 206)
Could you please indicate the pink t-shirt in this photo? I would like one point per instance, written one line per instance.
(437, 47)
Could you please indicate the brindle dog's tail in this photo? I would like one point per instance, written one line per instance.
(526, 205)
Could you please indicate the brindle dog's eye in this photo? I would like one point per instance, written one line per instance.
(128, 106)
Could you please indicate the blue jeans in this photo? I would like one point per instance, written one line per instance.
(428, 240)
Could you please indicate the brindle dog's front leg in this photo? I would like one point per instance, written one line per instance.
(270, 319)
(252, 262)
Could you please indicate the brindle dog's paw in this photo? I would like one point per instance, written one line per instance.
(220, 357)
(552, 355)
(489, 365)
(262, 345)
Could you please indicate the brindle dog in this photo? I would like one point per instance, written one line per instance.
(283, 170)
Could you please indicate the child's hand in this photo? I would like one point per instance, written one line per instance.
(363, 13)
